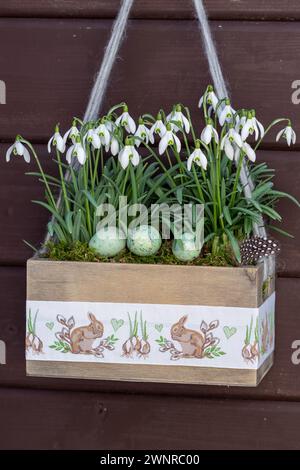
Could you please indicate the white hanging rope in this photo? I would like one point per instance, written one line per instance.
(100, 85)
(109, 58)
(211, 52)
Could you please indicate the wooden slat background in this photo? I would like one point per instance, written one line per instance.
(158, 9)
(49, 66)
(49, 53)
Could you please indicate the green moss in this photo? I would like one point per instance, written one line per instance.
(78, 251)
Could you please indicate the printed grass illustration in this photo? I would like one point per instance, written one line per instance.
(81, 340)
(267, 333)
(137, 344)
(32, 341)
(193, 343)
(251, 349)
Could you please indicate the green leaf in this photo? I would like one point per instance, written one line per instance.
(234, 244)
(227, 215)
(69, 221)
(282, 232)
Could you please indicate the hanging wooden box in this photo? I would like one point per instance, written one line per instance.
(201, 325)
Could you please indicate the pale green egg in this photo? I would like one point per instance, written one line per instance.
(185, 248)
(144, 240)
(108, 241)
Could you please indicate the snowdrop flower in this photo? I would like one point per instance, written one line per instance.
(157, 128)
(57, 141)
(226, 113)
(177, 116)
(129, 154)
(93, 138)
(288, 133)
(211, 98)
(114, 146)
(142, 132)
(209, 132)
(258, 125)
(77, 150)
(252, 125)
(126, 121)
(249, 151)
(169, 138)
(229, 141)
(103, 133)
(241, 121)
(18, 149)
(197, 157)
(71, 133)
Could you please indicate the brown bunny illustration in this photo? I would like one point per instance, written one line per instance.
(82, 338)
(192, 342)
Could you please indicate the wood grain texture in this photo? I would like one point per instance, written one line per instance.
(150, 373)
(161, 63)
(282, 382)
(23, 220)
(159, 284)
(162, 9)
(59, 420)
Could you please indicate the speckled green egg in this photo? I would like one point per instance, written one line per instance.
(144, 240)
(185, 249)
(108, 241)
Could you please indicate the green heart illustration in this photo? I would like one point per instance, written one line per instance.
(116, 324)
(229, 331)
(159, 327)
(50, 325)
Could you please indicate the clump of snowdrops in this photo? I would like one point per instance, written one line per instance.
(160, 159)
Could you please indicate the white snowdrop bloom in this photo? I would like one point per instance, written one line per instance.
(240, 121)
(211, 98)
(249, 151)
(93, 138)
(177, 116)
(57, 141)
(18, 149)
(72, 133)
(103, 133)
(288, 133)
(252, 126)
(229, 141)
(158, 128)
(77, 150)
(226, 113)
(258, 125)
(209, 132)
(197, 157)
(169, 138)
(129, 155)
(126, 121)
(114, 146)
(142, 132)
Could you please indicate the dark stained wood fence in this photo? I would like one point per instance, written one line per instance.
(49, 53)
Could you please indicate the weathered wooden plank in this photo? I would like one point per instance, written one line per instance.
(162, 63)
(62, 281)
(150, 373)
(23, 220)
(282, 382)
(57, 420)
(162, 9)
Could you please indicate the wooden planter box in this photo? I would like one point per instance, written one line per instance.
(200, 325)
